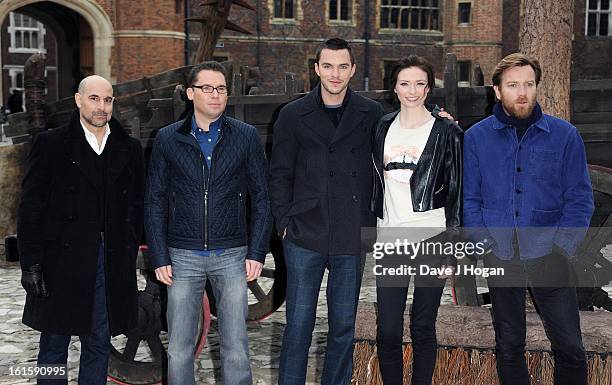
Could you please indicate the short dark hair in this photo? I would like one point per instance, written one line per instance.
(205, 66)
(516, 60)
(335, 44)
(407, 62)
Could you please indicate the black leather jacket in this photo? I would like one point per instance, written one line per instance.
(437, 180)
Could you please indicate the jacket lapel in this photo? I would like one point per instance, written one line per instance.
(316, 119)
(353, 114)
(76, 146)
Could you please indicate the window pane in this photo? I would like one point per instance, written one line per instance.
(34, 39)
(394, 17)
(405, 2)
(414, 19)
(593, 4)
(289, 9)
(385, 2)
(18, 40)
(278, 8)
(463, 71)
(592, 24)
(415, 2)
(19, 80)
(344, 10)
(333, 10)
(434, 20)
(384, 18)
(605, 5)
(425, 19)
(464, 13)
(26, 39)
(404, 18)
(394, 2)
(603, 25)
(434, 3)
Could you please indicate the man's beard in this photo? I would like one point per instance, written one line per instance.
(93, 122)
(519, 112)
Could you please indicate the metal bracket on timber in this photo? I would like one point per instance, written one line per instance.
(466, 340)
(213, 21)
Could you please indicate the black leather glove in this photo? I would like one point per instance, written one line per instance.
(32, 281)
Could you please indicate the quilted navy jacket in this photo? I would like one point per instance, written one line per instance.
(188, 206)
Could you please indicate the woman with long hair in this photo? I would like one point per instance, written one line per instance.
(418, 162)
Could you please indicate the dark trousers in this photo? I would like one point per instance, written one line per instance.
(305, 269)
(558, 308)
(95, 348)
(391, 303)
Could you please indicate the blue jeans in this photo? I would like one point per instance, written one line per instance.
(227, 273)
(305, 270)
(95, 348)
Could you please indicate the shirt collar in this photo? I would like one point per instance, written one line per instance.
(542, 124)
(93, 141)
(216, 125)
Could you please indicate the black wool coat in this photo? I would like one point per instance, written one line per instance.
(321, 175)
(59, 228)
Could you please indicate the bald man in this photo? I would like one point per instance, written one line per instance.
(79, 227)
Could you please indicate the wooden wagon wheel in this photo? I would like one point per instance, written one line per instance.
(267, 293)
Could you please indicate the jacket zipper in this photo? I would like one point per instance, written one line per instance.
(429, 172)
(378, 173)
(205, 181)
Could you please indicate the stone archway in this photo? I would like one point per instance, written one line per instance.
(96, 17)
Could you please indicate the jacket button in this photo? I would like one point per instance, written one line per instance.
(124, 192)
(516, 213)
(352, 150)
(517, 191)
(354, 174)
(70, 218)
(331, 174)
(520, 147)
(354, 198)
(331, 149)
(72, 188)
(66, 245)
(518, 169)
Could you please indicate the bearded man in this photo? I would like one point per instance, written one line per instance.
(527, 193)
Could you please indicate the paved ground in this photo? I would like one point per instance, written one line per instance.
(18, 344)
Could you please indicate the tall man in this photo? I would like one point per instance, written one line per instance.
(202, 170)
(79, 227)
(527, 187)
(320, 185)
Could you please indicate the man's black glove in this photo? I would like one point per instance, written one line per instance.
(32, 281)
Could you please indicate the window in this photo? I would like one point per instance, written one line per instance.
(27, 35)
(410, 14)
(388, 66)
(465, 13)
(464, 69)
(599, 18)
(339, 10)
(284, 9)
(16, 81)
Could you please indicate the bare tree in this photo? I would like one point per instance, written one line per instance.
(546, 34)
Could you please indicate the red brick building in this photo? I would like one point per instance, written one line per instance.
(129, 39)
(285, 34)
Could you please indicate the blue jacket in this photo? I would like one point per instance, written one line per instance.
(539, 186)
(188, 206)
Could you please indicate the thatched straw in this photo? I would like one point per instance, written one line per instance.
(457, 366)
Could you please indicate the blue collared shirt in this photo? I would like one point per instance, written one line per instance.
(537, 188)
(207, 141)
